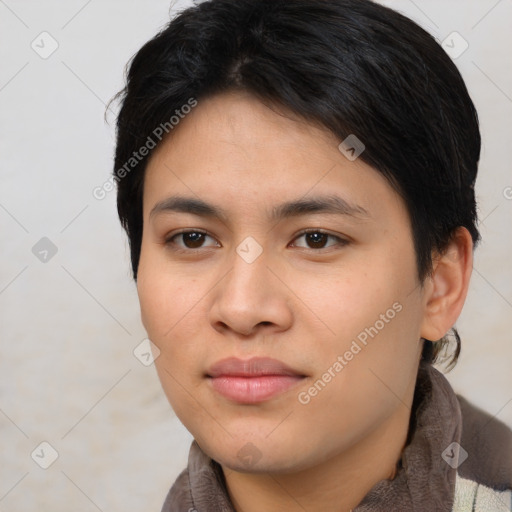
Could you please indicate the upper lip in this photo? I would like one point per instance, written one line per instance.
(253, 367)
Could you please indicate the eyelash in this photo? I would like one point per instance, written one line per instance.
(169, 241)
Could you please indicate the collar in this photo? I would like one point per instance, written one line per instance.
(424, 480)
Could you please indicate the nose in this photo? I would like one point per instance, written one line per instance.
(252, 297)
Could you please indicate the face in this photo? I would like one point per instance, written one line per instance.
(290, 258)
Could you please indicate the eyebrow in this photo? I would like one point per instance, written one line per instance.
(320, 204)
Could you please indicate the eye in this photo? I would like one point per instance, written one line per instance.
(316, 239)
(192, 239)
(195, 239)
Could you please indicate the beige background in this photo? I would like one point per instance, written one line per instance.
(69, 326)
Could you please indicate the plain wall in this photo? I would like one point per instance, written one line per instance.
(68, 375)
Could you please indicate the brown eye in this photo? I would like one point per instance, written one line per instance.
(189, 240)
(315, 239)
(193, 239)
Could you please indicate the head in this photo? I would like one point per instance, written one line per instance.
(296, 180)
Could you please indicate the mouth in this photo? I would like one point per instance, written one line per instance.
(253, 380)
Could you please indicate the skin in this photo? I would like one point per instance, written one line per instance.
(301, 301)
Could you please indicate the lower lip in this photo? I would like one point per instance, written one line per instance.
(251, 390)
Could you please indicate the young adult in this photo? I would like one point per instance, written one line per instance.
(296, 179)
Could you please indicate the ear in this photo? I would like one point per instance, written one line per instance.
(447, 287)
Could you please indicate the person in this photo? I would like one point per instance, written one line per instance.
(296, 180)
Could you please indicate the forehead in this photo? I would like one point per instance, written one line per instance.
(233, 123)
(234, 148)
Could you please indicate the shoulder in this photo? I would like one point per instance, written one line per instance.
(474, 497)
(488, 443)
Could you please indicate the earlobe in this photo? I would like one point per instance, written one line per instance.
(448, 286)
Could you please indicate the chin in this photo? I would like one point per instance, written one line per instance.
(255, 454)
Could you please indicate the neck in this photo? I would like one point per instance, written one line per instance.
(343, 480)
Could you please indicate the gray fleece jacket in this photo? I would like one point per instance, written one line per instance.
(431, 473)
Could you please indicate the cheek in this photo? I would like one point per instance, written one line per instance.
(166, 298)
(349, 302)
(167, 312)
(370, 315)
(171, 314)
(365, 370)
(363, 374)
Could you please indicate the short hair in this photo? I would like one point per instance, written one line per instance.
(352, 66)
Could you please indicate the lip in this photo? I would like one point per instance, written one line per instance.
(252, 380)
